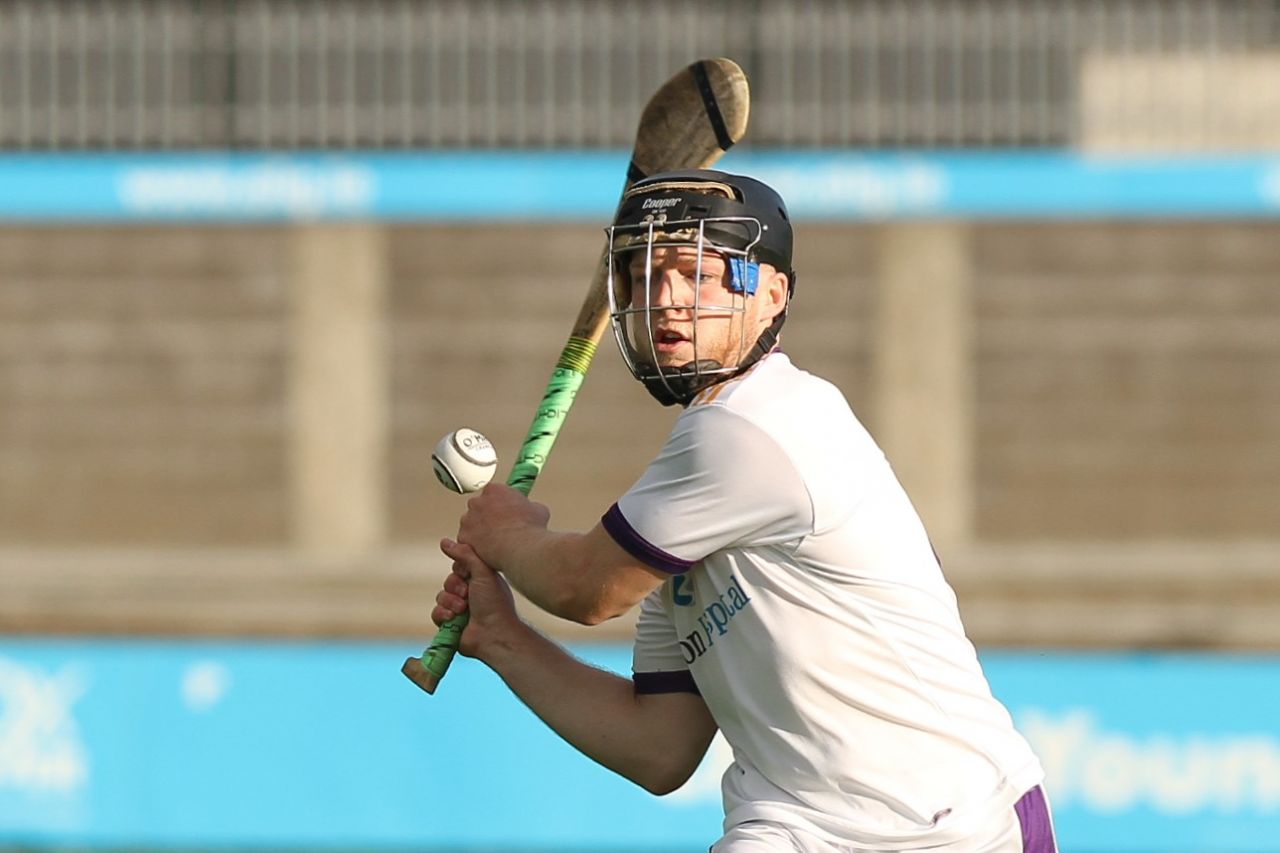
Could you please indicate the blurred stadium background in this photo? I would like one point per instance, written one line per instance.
(256, 256)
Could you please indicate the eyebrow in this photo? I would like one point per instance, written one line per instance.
(707, 259)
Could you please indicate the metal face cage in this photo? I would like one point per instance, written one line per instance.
(679, 383)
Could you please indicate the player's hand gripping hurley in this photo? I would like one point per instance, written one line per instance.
(689, 122)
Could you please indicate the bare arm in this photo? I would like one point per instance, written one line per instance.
(583, 577)
(654, 740)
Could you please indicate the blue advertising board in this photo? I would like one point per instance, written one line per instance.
(559, 185)
(153, 743)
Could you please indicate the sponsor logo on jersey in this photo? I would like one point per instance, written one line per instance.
(714, 620)
(679, 594)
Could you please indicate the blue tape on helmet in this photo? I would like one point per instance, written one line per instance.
(746, 275)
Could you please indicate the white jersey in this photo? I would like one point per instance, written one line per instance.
(809, 608)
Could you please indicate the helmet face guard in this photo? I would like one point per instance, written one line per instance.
(636, 317)
(736, 219)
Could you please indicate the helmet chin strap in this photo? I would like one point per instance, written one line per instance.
(678, 385)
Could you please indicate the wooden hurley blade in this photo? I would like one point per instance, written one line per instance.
(695, 117)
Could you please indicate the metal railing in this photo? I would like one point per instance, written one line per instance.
(161, 74)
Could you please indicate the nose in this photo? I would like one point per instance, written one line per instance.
(669, 289)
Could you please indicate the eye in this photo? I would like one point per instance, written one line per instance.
(706, 274)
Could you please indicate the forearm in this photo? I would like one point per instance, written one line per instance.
(549, 569)
(583, 577)
(599, 713)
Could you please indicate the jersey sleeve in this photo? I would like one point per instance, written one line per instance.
(657, 663)
(720, 481)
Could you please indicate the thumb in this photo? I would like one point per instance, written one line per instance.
(466, 561)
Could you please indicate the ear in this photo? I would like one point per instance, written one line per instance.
(772, 291)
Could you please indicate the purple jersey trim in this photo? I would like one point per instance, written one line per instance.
(617, 526)
(679, 681)
(1037, 826)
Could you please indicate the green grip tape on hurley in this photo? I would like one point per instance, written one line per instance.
(444, 645)
(562, 388)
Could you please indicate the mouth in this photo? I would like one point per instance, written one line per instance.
(669, 340)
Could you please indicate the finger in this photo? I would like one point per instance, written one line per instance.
(453, 603)
(456, 584)
(471, 567)
(458, 551)
(441, 614)
(465, 560)
(455, 551)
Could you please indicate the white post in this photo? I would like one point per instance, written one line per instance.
(923, 370)
(338, 384)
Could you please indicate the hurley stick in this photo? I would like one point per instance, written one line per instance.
(689, 122)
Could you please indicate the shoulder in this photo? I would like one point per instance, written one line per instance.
(771, 374)
(733, 430)
(778, 397)
(797, 415)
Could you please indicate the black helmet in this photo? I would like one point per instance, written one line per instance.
(679, 196)
(737, 217)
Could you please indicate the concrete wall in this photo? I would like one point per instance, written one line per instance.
(227, 430)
